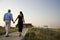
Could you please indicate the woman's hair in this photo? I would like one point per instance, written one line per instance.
(21, 13)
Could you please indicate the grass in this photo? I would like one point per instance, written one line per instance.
(43, 34)
(2, 30)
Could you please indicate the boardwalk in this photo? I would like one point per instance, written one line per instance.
(14, 36)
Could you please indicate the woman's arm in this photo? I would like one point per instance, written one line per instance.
(16, 18)
(23, 20)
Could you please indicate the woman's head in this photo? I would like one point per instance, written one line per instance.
(21, 13)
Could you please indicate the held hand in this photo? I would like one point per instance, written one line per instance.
(13, 22)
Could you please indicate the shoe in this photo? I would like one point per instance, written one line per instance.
(7, 36)
(19, 35)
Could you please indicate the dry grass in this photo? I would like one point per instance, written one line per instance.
(43, 34)
(2, 30)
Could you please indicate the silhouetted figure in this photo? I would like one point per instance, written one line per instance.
(20, 18)
(7, 19)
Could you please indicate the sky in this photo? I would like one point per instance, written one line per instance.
(37, 12)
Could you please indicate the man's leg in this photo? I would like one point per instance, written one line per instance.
(7, 28)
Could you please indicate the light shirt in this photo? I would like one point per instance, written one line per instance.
(8, 16)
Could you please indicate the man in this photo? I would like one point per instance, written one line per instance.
(7, 19)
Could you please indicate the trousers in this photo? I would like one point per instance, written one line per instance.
(7, 26)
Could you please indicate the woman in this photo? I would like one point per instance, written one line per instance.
(20, 18)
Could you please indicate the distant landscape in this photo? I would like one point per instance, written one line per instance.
(43, 34)
(2, 30)
(37, 33)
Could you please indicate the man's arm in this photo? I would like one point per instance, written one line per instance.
(12, 18)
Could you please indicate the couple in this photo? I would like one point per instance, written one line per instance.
(8, 18)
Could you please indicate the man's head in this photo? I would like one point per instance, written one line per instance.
(9, 10)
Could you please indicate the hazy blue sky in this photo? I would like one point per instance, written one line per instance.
(37, 12)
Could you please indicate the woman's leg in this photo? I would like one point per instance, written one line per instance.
(20, 28)
(20, 31)
(20, 34)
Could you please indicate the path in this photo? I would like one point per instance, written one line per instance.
(14, 36)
